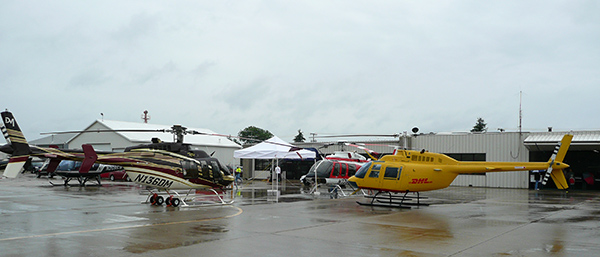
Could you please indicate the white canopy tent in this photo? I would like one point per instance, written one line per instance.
(273, 148)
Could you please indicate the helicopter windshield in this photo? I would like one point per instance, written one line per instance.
(363, 170)
(225, 169)
(323, 168)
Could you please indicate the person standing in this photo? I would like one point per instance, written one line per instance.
(278, 173)
(238, 173)
(537, 176)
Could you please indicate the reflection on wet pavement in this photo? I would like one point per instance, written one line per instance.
(42, 220)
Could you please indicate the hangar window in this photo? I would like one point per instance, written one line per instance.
(260, 164)
(469, 157)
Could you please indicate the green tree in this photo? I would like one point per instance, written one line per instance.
(299, 137)
(253, 135)
(480, 126)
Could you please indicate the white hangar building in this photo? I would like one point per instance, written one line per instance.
(583, 155)
(117, 141)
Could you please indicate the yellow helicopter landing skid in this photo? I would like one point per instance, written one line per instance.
(393, 201)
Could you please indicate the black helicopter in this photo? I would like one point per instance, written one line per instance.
(178, 153)
(161, 170)
(177, 147)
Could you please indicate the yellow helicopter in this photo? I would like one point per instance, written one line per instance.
(415, 171)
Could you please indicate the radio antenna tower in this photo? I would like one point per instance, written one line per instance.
(145, 116)
(520, 112)
(520, 126)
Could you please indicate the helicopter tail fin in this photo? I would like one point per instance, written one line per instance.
(369, 152)
(89, 158)
(17, 141)
(557, 175)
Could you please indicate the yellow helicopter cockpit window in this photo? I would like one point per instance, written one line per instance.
(363, 170)
(375, 171)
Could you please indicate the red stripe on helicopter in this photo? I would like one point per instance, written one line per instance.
(18, 159)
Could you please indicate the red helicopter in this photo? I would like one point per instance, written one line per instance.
(336, 168)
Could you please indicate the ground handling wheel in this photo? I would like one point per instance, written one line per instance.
(159, 200)
(156, 199)
(175, 202)
(172, 201)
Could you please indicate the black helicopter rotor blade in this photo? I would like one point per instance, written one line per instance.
(194, 132)
(359, 135)
(104, 131)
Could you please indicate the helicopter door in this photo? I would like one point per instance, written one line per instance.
(335, 172)
(204, 171)
(344, 172)
(351, 170)
(391, 177)
(190, 169)
(372, 178)
(216, 170)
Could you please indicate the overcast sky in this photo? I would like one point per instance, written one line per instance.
(376, 67)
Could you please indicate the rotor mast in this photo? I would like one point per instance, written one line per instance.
(178, 132)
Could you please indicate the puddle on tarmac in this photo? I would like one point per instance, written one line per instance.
(176, 237)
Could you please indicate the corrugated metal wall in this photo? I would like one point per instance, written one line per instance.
(507, 146)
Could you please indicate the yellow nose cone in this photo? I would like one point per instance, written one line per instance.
(352, 180)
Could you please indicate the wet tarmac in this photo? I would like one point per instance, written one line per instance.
(37, 219)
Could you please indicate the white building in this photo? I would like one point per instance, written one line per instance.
(106, 136)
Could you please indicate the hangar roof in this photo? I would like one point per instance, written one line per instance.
(582, 140)
(145, 137)
(57, 139)
(554, 137)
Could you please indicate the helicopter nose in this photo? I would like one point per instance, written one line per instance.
(352, 180)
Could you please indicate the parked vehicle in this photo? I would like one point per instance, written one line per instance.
(115, 175)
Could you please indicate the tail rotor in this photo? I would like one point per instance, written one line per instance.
(556, 165)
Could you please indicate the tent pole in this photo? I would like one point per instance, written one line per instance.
(316, 189)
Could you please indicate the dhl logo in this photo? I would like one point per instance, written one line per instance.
(420, 181)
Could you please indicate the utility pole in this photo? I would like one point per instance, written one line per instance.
(146, 117)
(313, 137)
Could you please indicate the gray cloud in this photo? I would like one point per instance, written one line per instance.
(333, 66)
